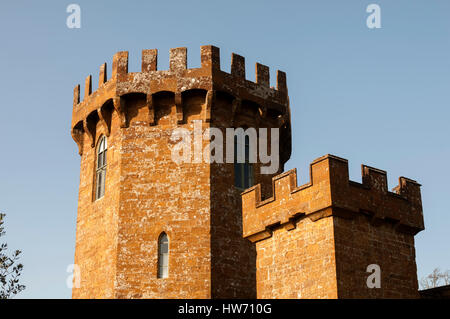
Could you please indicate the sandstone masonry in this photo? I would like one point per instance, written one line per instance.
(312, 241)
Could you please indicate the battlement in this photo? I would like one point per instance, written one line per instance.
(331, 193)
(178, 80)
(210, 61)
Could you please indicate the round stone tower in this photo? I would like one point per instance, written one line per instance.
(133, 193)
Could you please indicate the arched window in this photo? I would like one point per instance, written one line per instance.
(100, 168)
(163, 256)
(243, 172)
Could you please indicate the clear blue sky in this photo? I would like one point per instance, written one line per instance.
(379, 97)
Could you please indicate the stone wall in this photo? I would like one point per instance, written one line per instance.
(196, 204)
(317, 240)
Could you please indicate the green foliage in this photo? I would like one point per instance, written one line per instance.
(10, 269)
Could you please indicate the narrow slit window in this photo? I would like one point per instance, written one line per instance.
(243, 172)
(163, 256)
(100, 168)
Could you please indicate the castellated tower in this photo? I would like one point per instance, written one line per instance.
(326, 238)
(137, 206)
(151, 227)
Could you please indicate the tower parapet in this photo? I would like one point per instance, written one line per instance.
(318, 240)
(330, 192)
(146, 193)
(178, 80)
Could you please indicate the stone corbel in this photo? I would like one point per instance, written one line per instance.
(151, 110)
(283, 119)
(209, 100)
(267, 233)
(262, 113)
(89, 132)
(235, 106)
(77, 136)
(119, 106)
(103, 119)
(179, 106)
